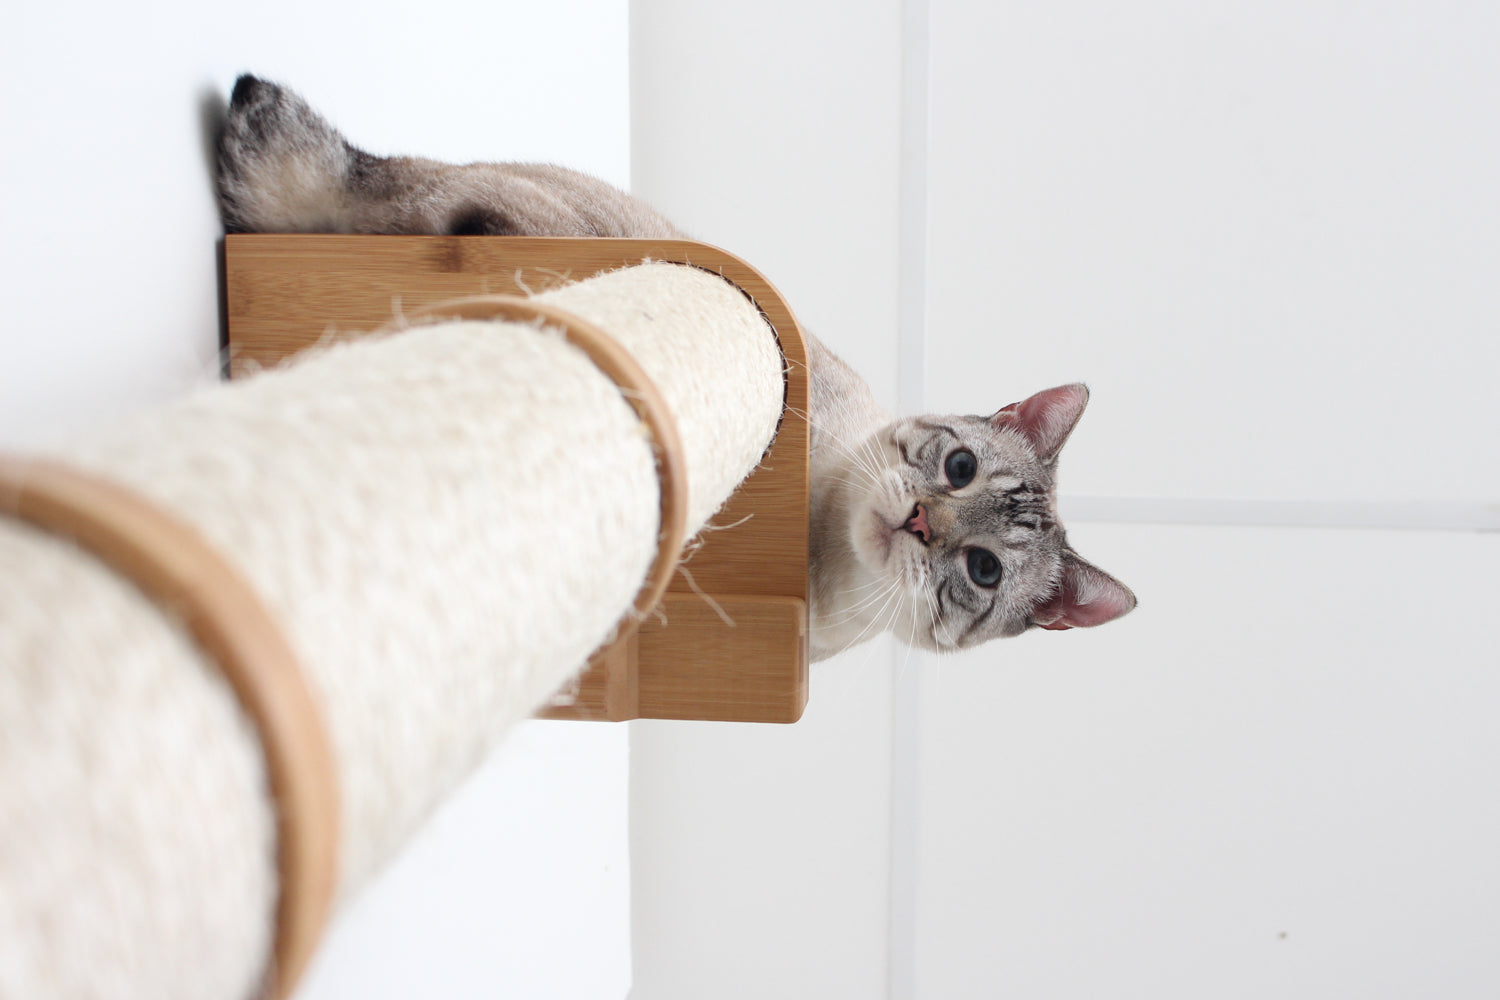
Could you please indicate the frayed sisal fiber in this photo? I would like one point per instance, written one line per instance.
(445, 522)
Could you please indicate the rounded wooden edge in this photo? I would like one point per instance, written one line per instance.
(642, 395)
(179, 571)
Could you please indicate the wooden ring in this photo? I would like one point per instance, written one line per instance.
(188, 580)
(642, 395)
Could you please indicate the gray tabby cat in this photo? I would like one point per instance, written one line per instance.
(942, 529)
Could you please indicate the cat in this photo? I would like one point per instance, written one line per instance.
(941, 529)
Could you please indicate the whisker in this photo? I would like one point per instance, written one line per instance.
(871, 630)
(851, 613)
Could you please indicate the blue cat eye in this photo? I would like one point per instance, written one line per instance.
(984, 568)
(960, 468)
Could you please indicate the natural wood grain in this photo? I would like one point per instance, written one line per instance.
(186, 578)
(736, 666)
(287, 293)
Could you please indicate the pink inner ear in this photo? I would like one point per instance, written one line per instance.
(1085, 597)
(1047, 418)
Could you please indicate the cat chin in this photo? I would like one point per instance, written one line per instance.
(879, 543)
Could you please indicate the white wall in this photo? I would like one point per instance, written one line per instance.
(109, 280)
(1264, 235)
(761, 852)
(1276, 779)
(1268, 229)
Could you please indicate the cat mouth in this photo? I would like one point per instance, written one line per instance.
(881, 539)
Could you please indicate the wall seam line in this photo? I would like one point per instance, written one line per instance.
(906, 702)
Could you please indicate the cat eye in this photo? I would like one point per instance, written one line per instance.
(960, 468)
(984, 568)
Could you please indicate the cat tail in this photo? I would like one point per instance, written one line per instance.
(282, 168)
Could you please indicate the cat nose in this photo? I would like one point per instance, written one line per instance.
(917, 524)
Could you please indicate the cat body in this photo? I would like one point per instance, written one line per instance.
(941, 529)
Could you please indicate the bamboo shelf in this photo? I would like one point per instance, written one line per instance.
(285, 293)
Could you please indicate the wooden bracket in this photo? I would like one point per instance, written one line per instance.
(742, 658)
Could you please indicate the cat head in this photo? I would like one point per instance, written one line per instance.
(960, 513)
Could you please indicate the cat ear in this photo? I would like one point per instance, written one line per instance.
(1086, 596)
(1047, 418)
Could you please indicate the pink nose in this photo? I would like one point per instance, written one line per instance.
(917, 524)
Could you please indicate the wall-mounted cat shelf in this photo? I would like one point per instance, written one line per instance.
(285, 293)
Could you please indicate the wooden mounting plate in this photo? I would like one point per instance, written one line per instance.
(284, 293)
